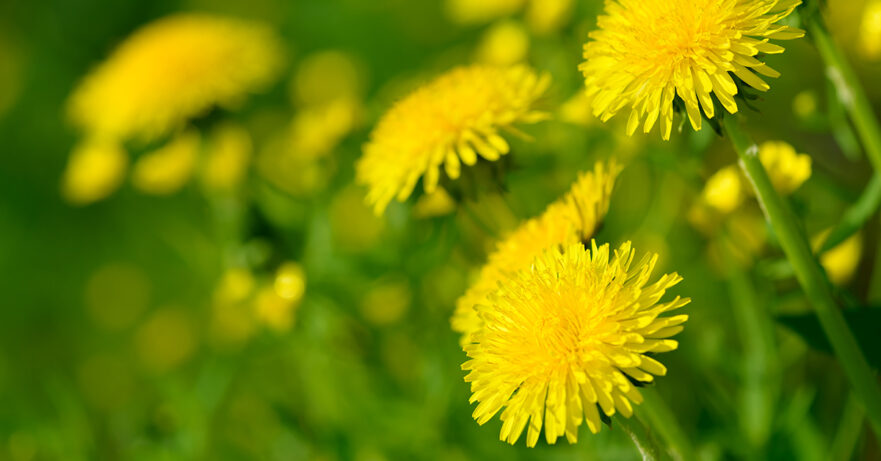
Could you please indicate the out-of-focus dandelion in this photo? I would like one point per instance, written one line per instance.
(471, 12)
(450, 121)
(95, 169)
(325, 77)
(437, 203)
(546, 16)
(787, 169)
(870, 30)
(116, 295)
(645, 54)
(386, 303)
(227, 153)
(575, 217)
(805, 104)
(576, 110)
(172, 70)
(167, 169)
(724, 190)
(840, 262)
(505, 43)
(316, 131)
(568, 337)
(276, 304)
(166, 340)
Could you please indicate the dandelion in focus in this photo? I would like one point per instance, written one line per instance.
(646, 54)
(450, 121)
(167, 169)
(787, 169)
(576, 217)
(94, 171)
(570, 336)
(172, 70)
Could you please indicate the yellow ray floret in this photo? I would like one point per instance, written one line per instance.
(575, 217)
(450, 121)
(567, 338)
(648, 52)
(171, 70)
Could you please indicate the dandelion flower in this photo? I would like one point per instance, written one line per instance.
(477, 11)
(172, 70)
(841, 261)
(575, 217)
(724, 190)
(450, 121)
(787, 169)
(646, 53)
(870, 30)
(568, 337)
(167, 169)
(505, 43)
(94, 170)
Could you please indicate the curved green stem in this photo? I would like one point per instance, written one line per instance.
(850, 92)
(642, 437)
(810, 275)
(665, 423)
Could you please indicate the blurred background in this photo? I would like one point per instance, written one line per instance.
(238, 300)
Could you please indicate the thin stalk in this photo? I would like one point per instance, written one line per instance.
(850, 92)
(665, 423)
(857, 215)
(848, 431)
(756, 330)
(810, 275)
(642, 437)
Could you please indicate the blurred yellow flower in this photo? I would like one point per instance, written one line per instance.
(317, 130)
(325, 77)
(276, 304)
(505, 43)
(546, 16)
(724, 190)
(842, 261)
(172, 70)
(437, 203)
(94, 170)
(647, 52)
(477, 11)
(787, 169)
(232, 319)
(447, 122)
(576, 110)
(805, 104)
(870, 30)
(386, 303)
(228, 151)
(168, 168)
(568, 337)
(575, 217)
(165, 340)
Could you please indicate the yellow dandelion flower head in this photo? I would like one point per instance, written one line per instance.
(167, 169)
(787, 169)
(94, 171)
(570, 337)
(171, 70)
(575, 217)
(648, 52)
(588, 199)
(724, 190)
(450, 121)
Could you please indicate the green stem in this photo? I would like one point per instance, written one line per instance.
(756, 330)
(664, 421)
(848, 431)
(810, 275)
(850, 92)
(642, 437)
(857, 215)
